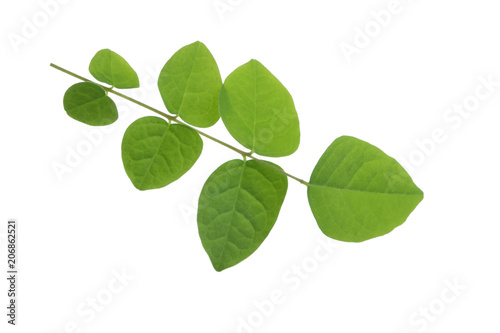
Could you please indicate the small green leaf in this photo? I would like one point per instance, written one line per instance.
(109, 67)
(87, 102)
(357, 192)
(238, 207)
(189, 85)
(259, 111)
(156, 153)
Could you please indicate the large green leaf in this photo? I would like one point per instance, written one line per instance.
(238, 207)
(156, 153)
(259, 111)
(109, 67)
(87, 102)
(357, 192)
(189, 85)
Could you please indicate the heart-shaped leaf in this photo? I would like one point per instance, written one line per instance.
(357, 192)
(238, 207)
(259, 111)
(189, 85)
(156, 153)
(87, 102)
(109, 67)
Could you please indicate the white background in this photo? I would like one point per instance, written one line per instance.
(77, 230)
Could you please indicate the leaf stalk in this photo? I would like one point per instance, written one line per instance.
(171, 118)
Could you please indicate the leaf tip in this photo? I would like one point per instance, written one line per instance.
(217, 268)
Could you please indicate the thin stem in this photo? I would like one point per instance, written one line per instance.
(279, 170)
(174, 119)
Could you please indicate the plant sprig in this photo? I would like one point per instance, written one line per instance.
(356, 192)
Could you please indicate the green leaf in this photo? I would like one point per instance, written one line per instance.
(156, 153)
(189, 85)
(259, 111)
(238, 207)
(87, 102)
(357, 192)
(109, 67)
